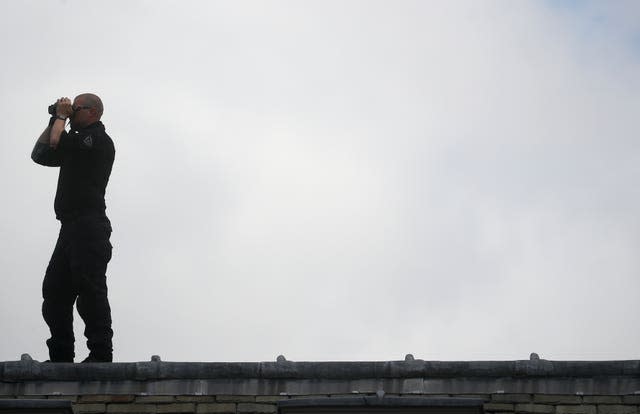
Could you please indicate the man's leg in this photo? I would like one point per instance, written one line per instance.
(57, 306)
(91, 254)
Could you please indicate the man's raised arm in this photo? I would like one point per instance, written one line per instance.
(63, 111)
(44, 152)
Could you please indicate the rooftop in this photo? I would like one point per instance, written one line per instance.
(282, 377)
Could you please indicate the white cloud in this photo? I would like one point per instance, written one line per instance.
(342, 180)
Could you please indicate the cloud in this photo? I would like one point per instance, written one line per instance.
(346, 180)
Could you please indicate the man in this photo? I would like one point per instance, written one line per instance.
(77, 269)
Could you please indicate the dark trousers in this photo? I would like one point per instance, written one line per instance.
(77, 271)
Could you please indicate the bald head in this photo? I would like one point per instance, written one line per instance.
(94, 101)
(87, 110)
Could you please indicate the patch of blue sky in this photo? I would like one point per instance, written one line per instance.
(568, 5)
(592, 23)
(635, 44)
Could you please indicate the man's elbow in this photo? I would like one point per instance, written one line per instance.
(39, 161)
(35, 158)
(38, 155)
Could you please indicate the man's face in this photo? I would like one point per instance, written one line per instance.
(82, 115)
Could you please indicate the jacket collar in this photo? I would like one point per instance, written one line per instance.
(98, 125)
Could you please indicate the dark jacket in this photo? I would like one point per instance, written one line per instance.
(85, 158)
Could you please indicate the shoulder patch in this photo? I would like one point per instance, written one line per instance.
(88, 141)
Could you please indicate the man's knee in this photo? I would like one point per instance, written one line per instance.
(58, 308)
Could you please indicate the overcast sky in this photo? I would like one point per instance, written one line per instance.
(338, 180)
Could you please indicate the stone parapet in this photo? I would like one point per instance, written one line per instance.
(158, 370)
(509, 387)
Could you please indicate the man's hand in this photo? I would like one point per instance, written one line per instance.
(63, 111)
(63, 107)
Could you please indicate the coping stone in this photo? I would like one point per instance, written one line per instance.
(142, 371)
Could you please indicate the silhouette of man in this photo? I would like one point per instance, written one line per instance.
(78, 265)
